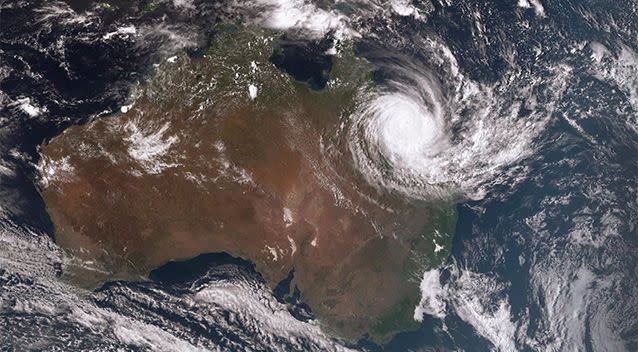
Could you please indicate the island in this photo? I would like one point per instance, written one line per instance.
(225, 152)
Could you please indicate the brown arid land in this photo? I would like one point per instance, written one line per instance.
(227, 153)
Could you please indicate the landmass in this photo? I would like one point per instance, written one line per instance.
(225, 152)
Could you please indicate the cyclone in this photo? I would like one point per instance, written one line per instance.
(406, 123)
(427, 131)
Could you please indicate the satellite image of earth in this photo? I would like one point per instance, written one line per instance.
(328, 175)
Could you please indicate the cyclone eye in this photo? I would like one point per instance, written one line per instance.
(406, 129)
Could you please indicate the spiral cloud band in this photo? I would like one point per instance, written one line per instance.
(429, 132)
